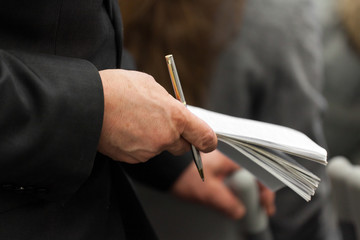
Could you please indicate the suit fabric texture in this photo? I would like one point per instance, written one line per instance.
(53, 182)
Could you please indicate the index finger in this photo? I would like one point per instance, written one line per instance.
(267, 199)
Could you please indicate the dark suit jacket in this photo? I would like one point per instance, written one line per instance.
(53, 183)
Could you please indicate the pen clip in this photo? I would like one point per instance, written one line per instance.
(175, 80)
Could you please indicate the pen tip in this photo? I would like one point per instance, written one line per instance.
(201, 172)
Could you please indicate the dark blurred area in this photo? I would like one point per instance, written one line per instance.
(289, 62)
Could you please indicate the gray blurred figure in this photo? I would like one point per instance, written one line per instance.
(341, 45)
(273, 72)
(341, 25)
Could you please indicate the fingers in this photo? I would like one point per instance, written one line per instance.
(179, 147)
(217, 166)
(213, 192)
(267, 199)
(227, 166)
(225, 201)
(220, 164)
(141, 119)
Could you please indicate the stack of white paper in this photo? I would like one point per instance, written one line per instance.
(265, 145)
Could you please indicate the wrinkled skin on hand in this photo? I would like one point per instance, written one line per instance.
(141, 120)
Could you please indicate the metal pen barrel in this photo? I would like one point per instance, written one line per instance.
(175, 80)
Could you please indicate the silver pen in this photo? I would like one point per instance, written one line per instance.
(180, 96)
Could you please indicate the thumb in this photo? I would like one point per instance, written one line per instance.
(199, 133)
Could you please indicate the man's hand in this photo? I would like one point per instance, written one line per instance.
(267, 199)
(141, 120)
(213, 192)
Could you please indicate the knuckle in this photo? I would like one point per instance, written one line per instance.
(148, 77)
(179, 117)
(180, 148)
(166, 141)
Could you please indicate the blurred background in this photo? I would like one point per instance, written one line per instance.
(289, 62)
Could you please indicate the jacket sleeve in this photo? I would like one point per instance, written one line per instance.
(51, 115)
(160, 172)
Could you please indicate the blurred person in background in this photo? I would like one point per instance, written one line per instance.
(267, 67)
(341, 24)
(195, 33)
(341, 47)
(273, 72)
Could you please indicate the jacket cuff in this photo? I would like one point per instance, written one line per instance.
(56, 109)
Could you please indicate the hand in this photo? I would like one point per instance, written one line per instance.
(213, 192)
(141, 120)
(267, 199)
